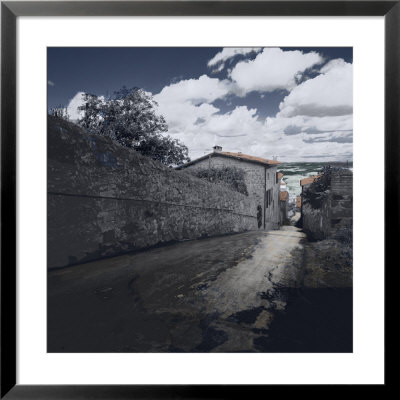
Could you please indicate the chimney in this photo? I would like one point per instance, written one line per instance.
(217, 149)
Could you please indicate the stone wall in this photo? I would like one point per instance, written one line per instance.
(272, 216)
(341, 199)
(104, 200)
(258, 179)
(335, 212)
(316, 221)
(283, 208)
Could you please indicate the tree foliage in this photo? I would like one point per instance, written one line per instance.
(130, 118)
(318, 191)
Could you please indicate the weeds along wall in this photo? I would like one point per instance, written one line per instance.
(104, 200)
(258, 179)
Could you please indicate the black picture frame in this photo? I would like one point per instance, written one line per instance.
(11, 10)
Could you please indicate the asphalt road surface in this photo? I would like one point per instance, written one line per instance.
(212, 295)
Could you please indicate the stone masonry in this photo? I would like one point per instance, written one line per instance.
(104, 200)
(258, 178)
(336, 210)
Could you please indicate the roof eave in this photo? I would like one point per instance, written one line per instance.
(272, 164)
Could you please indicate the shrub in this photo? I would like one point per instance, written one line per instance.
(231, 177)
(344, 235)
(318, 191)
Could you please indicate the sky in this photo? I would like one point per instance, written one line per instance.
(295, 104)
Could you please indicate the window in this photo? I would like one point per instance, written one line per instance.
(277, 177)
(268, 198)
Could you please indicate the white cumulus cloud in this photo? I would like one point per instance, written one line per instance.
(315, 120)
(229, 52)
(196, 91)
(308, 125)
(272, 69)
(74, 103)
(200, 125)
(328, 94)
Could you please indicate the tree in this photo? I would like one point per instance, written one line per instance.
(130, 118)
(92, 113)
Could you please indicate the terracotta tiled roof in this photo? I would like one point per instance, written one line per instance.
(242, 156)
(311, 179)
(237, 156)
(280, 175)
(283, 196)
(298, 201)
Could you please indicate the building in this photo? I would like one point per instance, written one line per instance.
(283, 207)
(329, 207)
(283, 200)
(308, 181)
(283, 186)
(298, 202)
(305, 183)
(261, 179)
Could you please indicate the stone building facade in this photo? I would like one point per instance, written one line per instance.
(261, 179)
(334, 211)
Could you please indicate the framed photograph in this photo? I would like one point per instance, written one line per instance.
(179, 216)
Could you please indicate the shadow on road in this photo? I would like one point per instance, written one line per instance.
(239, 293)
(315, 320)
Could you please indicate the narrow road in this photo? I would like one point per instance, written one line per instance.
(218, 294)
